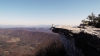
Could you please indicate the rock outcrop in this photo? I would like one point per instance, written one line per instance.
(79, 42)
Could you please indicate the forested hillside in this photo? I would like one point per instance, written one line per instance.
(19, 42)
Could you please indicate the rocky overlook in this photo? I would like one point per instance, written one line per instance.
(79, 41)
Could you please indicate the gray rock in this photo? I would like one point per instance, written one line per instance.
(79, 42)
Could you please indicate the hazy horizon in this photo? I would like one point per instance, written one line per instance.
(46, 12)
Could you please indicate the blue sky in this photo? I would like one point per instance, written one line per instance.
(46, 12)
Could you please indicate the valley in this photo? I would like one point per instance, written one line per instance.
(27, 41)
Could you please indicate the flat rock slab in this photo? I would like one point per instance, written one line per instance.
(90, 30)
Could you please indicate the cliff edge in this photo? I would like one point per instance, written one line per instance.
(78, 41)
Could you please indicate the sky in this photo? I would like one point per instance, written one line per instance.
(46, 12)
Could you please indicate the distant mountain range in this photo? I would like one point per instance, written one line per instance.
(23, 26)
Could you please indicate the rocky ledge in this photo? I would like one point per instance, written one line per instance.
(78, 41)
